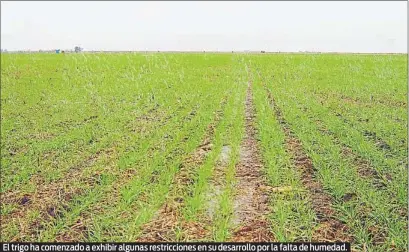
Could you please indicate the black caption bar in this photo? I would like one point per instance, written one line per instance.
(175, 247)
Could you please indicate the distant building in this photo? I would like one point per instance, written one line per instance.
(78, 49)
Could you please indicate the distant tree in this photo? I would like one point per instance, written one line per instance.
(78, 49)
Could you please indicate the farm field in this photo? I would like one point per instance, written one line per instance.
(205, 147)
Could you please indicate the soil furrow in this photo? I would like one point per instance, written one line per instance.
(358, 102)
(371, 136)
(381, 144)
(330, 229)
(365, 168)
(251, 202)
(168, 218)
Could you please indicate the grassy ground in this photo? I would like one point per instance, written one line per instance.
(156, 147)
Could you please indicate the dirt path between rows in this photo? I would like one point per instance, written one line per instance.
(251, 203)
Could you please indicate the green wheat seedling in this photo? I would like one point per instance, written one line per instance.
(92, 145)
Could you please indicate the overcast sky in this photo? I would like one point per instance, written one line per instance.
(224, 26)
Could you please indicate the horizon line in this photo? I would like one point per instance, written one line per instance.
(194, 51)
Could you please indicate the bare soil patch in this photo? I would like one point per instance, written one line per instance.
(251, 203)
(217, 181)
